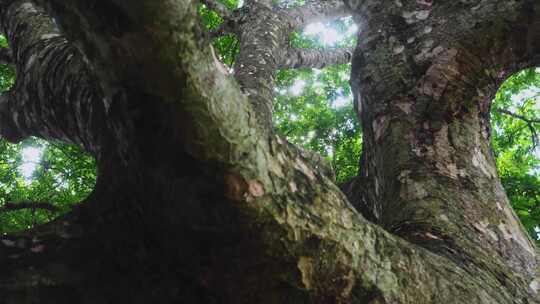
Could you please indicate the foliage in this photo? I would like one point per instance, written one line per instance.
(7, 73)
(227, 46)
(314, 109)
(514, 145)
(63, 176)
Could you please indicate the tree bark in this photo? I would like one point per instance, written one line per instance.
(306, 58)
(318, 11)
(424, 106)
(198, 201)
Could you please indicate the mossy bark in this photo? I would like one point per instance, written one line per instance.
(198, 202)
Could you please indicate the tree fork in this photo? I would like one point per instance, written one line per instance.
(228, 191)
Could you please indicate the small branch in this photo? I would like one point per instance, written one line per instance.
(518, 116)
(317, 11)
(6, 56)
(529, 121)
(219, 7)
(309, 58)
(7, 207)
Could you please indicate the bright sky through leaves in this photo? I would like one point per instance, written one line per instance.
(31, 156)
(341, 101)
(40, 171)
(297, 88)
(328, 35)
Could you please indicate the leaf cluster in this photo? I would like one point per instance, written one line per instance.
(318, 114)
(63, 177)
(515, 145)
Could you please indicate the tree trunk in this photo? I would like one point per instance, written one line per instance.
(424, 87)
(199, 201)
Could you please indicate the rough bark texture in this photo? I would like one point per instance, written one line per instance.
(296, 58)
(426, 82)
(198, 201)
(318, 11)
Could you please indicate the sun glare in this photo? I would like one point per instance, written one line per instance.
(30, 160)
(297, 88)
(341, 101)
(327, 35)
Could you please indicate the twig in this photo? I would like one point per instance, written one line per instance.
(529, 121)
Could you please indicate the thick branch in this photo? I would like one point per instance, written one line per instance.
(256, 66)
(414, 175)
(307, 58)
(7, 207)
(318, 11)
(53, 96)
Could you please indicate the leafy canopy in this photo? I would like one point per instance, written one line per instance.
(515, 144)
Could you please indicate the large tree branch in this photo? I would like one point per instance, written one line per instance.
(256, 66)
(7, 207)
(49, 99)
(275, 184)
(422, 180)
(317, 11)
(310, 58)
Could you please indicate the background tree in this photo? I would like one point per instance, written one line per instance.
(230, 211)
